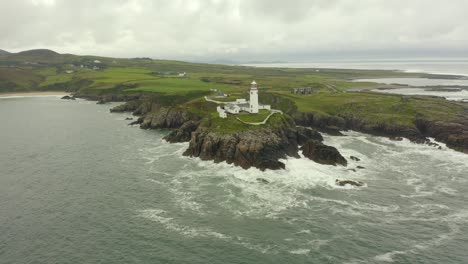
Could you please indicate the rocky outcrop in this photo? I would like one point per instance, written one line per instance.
(67, 97)
(333, 124)
(304, 134)
(260, 148)
(184, 133)
(453, 133)
(165, 117)
(323, 154)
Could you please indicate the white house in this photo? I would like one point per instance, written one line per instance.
(97, 61)
(183, 74)
(252, 106)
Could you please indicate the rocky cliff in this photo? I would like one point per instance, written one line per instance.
(321, 153)
(261, 148)
(452, 132)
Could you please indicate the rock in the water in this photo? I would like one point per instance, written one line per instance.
(396, 138)
(262, 180)
(321, 153)
(360, 167)
(260, 148)
(67, 97)
(129, 118)
(136, 122)
(101, 102)
(355, 158)
(350, 182)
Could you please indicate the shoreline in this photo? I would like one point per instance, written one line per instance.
(33, 94)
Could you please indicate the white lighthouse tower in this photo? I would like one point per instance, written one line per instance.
(253, 98)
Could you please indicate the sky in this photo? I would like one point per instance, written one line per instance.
(239, 30)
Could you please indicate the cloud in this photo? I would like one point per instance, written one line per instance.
(237, 29)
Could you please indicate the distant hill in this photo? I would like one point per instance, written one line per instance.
(38, 53)
(4, 52)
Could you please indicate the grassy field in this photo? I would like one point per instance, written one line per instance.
(46, 70)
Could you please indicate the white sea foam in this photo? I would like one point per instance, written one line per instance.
(160, 216)
(298, 187)
(388, 257)
(300, 251)
(317, 243)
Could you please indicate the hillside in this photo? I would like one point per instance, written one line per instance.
(3, 52)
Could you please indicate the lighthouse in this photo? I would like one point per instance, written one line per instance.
(253, 98)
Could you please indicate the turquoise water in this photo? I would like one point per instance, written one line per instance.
(77, 185)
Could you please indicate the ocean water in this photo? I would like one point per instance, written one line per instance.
(435, 66)
(77, 185)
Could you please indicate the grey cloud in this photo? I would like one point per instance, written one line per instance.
(236, 29)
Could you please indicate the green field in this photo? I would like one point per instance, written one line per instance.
(45, 70)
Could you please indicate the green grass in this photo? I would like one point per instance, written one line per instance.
(377, 107)
(30, 71)
(252, 118)
(231, 125)
(173, 85)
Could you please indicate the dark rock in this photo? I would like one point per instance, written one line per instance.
(454, 133)
(360, 167)
(184, 133)
(261, 148)
(129, 118)
(321, 153)
(101, 102)
(166, 117)
(355, 158)
(304, 134)
(350, 182)
(396, 138)
(262, 180)
(332, 130)
(137, 122)
(67, 97)
(353, 170)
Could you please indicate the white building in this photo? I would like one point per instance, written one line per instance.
(183, 74)
(252, 106)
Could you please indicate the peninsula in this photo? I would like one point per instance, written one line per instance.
(206, 105)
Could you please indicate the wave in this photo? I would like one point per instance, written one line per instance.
(160, 216)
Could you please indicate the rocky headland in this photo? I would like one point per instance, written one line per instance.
(263, 147)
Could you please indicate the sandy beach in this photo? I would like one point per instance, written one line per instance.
(33, 94)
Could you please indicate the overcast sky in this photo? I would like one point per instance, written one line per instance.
(290, 30)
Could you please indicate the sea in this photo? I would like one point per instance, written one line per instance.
(79, 185)
(458, 67)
